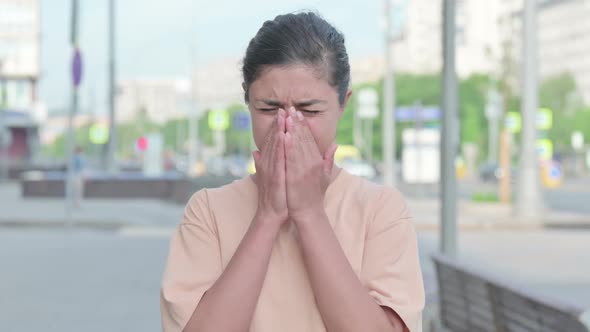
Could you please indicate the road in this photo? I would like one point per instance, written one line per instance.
(88, 280)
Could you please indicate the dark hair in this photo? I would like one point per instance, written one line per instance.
(302, 38)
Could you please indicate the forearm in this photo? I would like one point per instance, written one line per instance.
(230, 303)
(343, 301)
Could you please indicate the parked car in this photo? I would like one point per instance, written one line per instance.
(492, 172)
(358, 167)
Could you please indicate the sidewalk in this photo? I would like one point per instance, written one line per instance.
(482, 216)
(106, 213)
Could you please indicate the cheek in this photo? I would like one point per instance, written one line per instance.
(323, 131)
(260, 126)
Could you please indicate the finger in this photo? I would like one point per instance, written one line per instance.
(282, 114)
(280, 157)
(307, 138)
(289, 150)
(270, 160)
(269, 137)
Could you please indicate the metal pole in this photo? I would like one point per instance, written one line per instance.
(193, 119)
(71, 139)
(369, 140)
(112, 143)
(449, 130)
(388, 104)
(3, 128)
(528, 199)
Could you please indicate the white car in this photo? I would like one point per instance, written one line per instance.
(359, 167)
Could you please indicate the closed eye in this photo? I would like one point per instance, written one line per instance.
(268, 109)
(310, 112)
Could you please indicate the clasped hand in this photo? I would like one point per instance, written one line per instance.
(292, 175)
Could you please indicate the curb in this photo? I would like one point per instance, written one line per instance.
(55, 224)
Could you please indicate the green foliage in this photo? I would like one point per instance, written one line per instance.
(487, 197)
(556, 92)
(423, 89)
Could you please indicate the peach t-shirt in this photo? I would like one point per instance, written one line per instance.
(371, 222)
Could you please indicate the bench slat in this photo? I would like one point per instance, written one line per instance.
(472, 301)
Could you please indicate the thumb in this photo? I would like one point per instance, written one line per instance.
(329, 158)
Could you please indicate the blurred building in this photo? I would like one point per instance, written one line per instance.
(160, 99)
(417, 28)
(57, 124)
(219, 84)
(564, 41)
(19, 76)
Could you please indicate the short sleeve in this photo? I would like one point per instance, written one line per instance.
(193, 264)
(391, 266)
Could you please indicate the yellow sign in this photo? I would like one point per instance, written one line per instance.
(551, 174)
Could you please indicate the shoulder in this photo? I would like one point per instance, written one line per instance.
(382, 206)
(204, 202)
(373, 195)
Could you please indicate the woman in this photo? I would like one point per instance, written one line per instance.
(302, 245)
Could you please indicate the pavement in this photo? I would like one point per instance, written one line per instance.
(16, 211)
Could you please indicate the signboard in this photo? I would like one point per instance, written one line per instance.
(241, 121)
(421, 155)
(367, 104)
(98, 134)
(577, 140)
(77, 68)
(218, 120)
(545, 149)
(544, 119)
(415, 113)
(513, 122)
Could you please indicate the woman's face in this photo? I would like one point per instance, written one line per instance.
(299, 86)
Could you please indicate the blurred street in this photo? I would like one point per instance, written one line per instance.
(93, 280)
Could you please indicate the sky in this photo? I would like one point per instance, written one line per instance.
(154, 38)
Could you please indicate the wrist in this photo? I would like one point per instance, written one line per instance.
(268, 221)
(310, 215)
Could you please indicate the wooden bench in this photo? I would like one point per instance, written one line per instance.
(472, 301)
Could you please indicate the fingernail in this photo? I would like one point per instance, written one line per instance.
(299, 115)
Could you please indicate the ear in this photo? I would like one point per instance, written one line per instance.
(345, 103)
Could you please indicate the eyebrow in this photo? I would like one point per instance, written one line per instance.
(303, 103)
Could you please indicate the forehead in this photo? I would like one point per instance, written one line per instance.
(291, 82)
